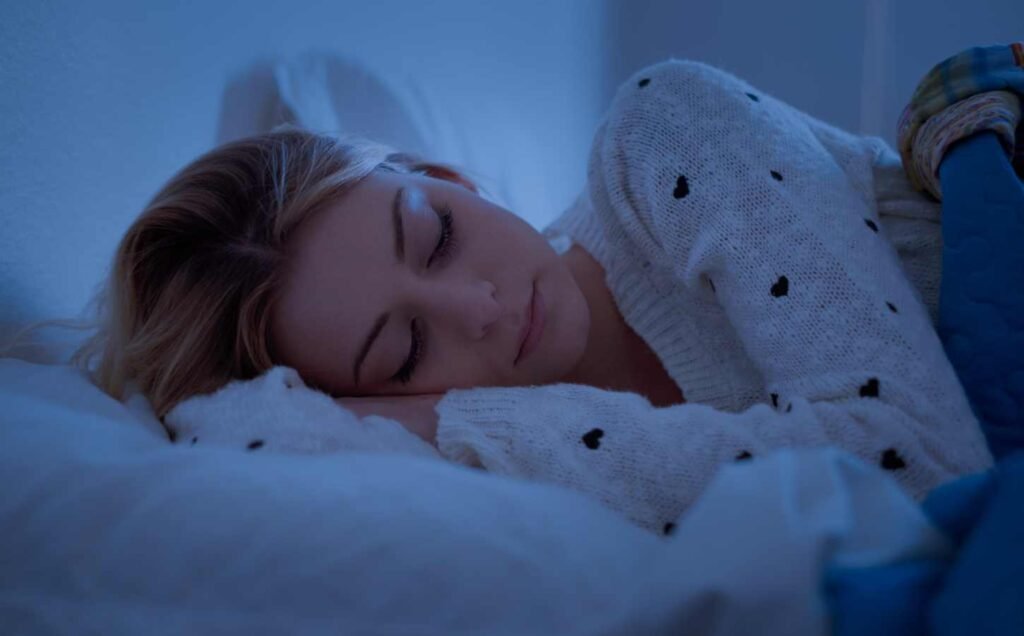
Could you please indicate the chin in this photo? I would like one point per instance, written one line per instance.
(568, 327)
(564, 360)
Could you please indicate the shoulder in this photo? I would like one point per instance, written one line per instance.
(674, 104)
(677, 73)
(680, 84)
(663, 114)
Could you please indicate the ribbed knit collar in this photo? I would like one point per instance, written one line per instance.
(673, 322)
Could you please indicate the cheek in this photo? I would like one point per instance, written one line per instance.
(505, 249)
(510, 231)
(570, 307)
(464, 370)
(568, 317)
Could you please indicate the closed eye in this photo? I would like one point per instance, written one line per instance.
(446, 239)
(404, 374)
(442, 254)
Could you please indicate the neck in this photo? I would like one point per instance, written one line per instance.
(603, 360)
(615, 357)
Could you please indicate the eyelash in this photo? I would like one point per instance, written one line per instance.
(445, 242)
(442, 252)
(405, 373)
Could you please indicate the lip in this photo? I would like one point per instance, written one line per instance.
(533, 327)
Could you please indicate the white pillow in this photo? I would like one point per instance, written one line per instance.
(108, 528)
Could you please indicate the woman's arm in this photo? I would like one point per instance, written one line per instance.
(800, 264)
(720, 186)
(651, 463)
(416, 413)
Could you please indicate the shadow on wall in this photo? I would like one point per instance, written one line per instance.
(805, 53)
(320, 91)
(251, 104)
(642, 33)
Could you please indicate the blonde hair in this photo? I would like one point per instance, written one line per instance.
(185, 308)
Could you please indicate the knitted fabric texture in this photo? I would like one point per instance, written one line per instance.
(784, 272)
(977, 70)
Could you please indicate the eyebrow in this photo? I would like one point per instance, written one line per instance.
(399, 253)
(378, 326)
(396, 221)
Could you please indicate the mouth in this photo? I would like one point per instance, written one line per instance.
(533, 324)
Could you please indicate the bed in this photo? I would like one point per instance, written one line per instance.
(109, 528)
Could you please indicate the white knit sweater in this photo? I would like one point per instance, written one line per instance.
(785, 274)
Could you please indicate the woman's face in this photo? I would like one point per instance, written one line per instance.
(363, 290)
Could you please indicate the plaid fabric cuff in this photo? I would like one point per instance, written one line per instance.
(968, 73)
(996, 111)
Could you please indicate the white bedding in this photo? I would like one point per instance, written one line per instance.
(109, 528)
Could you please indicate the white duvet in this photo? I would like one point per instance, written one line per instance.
(109, 528)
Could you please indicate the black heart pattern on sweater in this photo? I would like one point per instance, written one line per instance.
(892, 308)
(256, 443)
(753, 97)
(891, 460)
(644, 82)
(775, 400)
(871, 224)
(781, 287)
(743, 455)
(593, 438)
(669, 527)
(870, 389)
(776, 176)
(682, 188)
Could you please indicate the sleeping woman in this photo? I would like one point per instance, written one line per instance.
(735, 277)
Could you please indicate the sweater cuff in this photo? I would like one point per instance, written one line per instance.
(474, 426)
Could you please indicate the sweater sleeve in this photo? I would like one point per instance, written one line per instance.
(787, 234)
(728, 184)
(910, 219)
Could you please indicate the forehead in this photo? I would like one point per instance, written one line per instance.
(337, 271)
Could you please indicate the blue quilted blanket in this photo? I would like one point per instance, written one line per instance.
(981, 302)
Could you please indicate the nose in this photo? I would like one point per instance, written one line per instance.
(470, 309)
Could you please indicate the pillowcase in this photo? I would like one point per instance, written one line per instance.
(110, 528)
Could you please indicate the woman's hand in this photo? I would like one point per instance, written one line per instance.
(415, 412)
